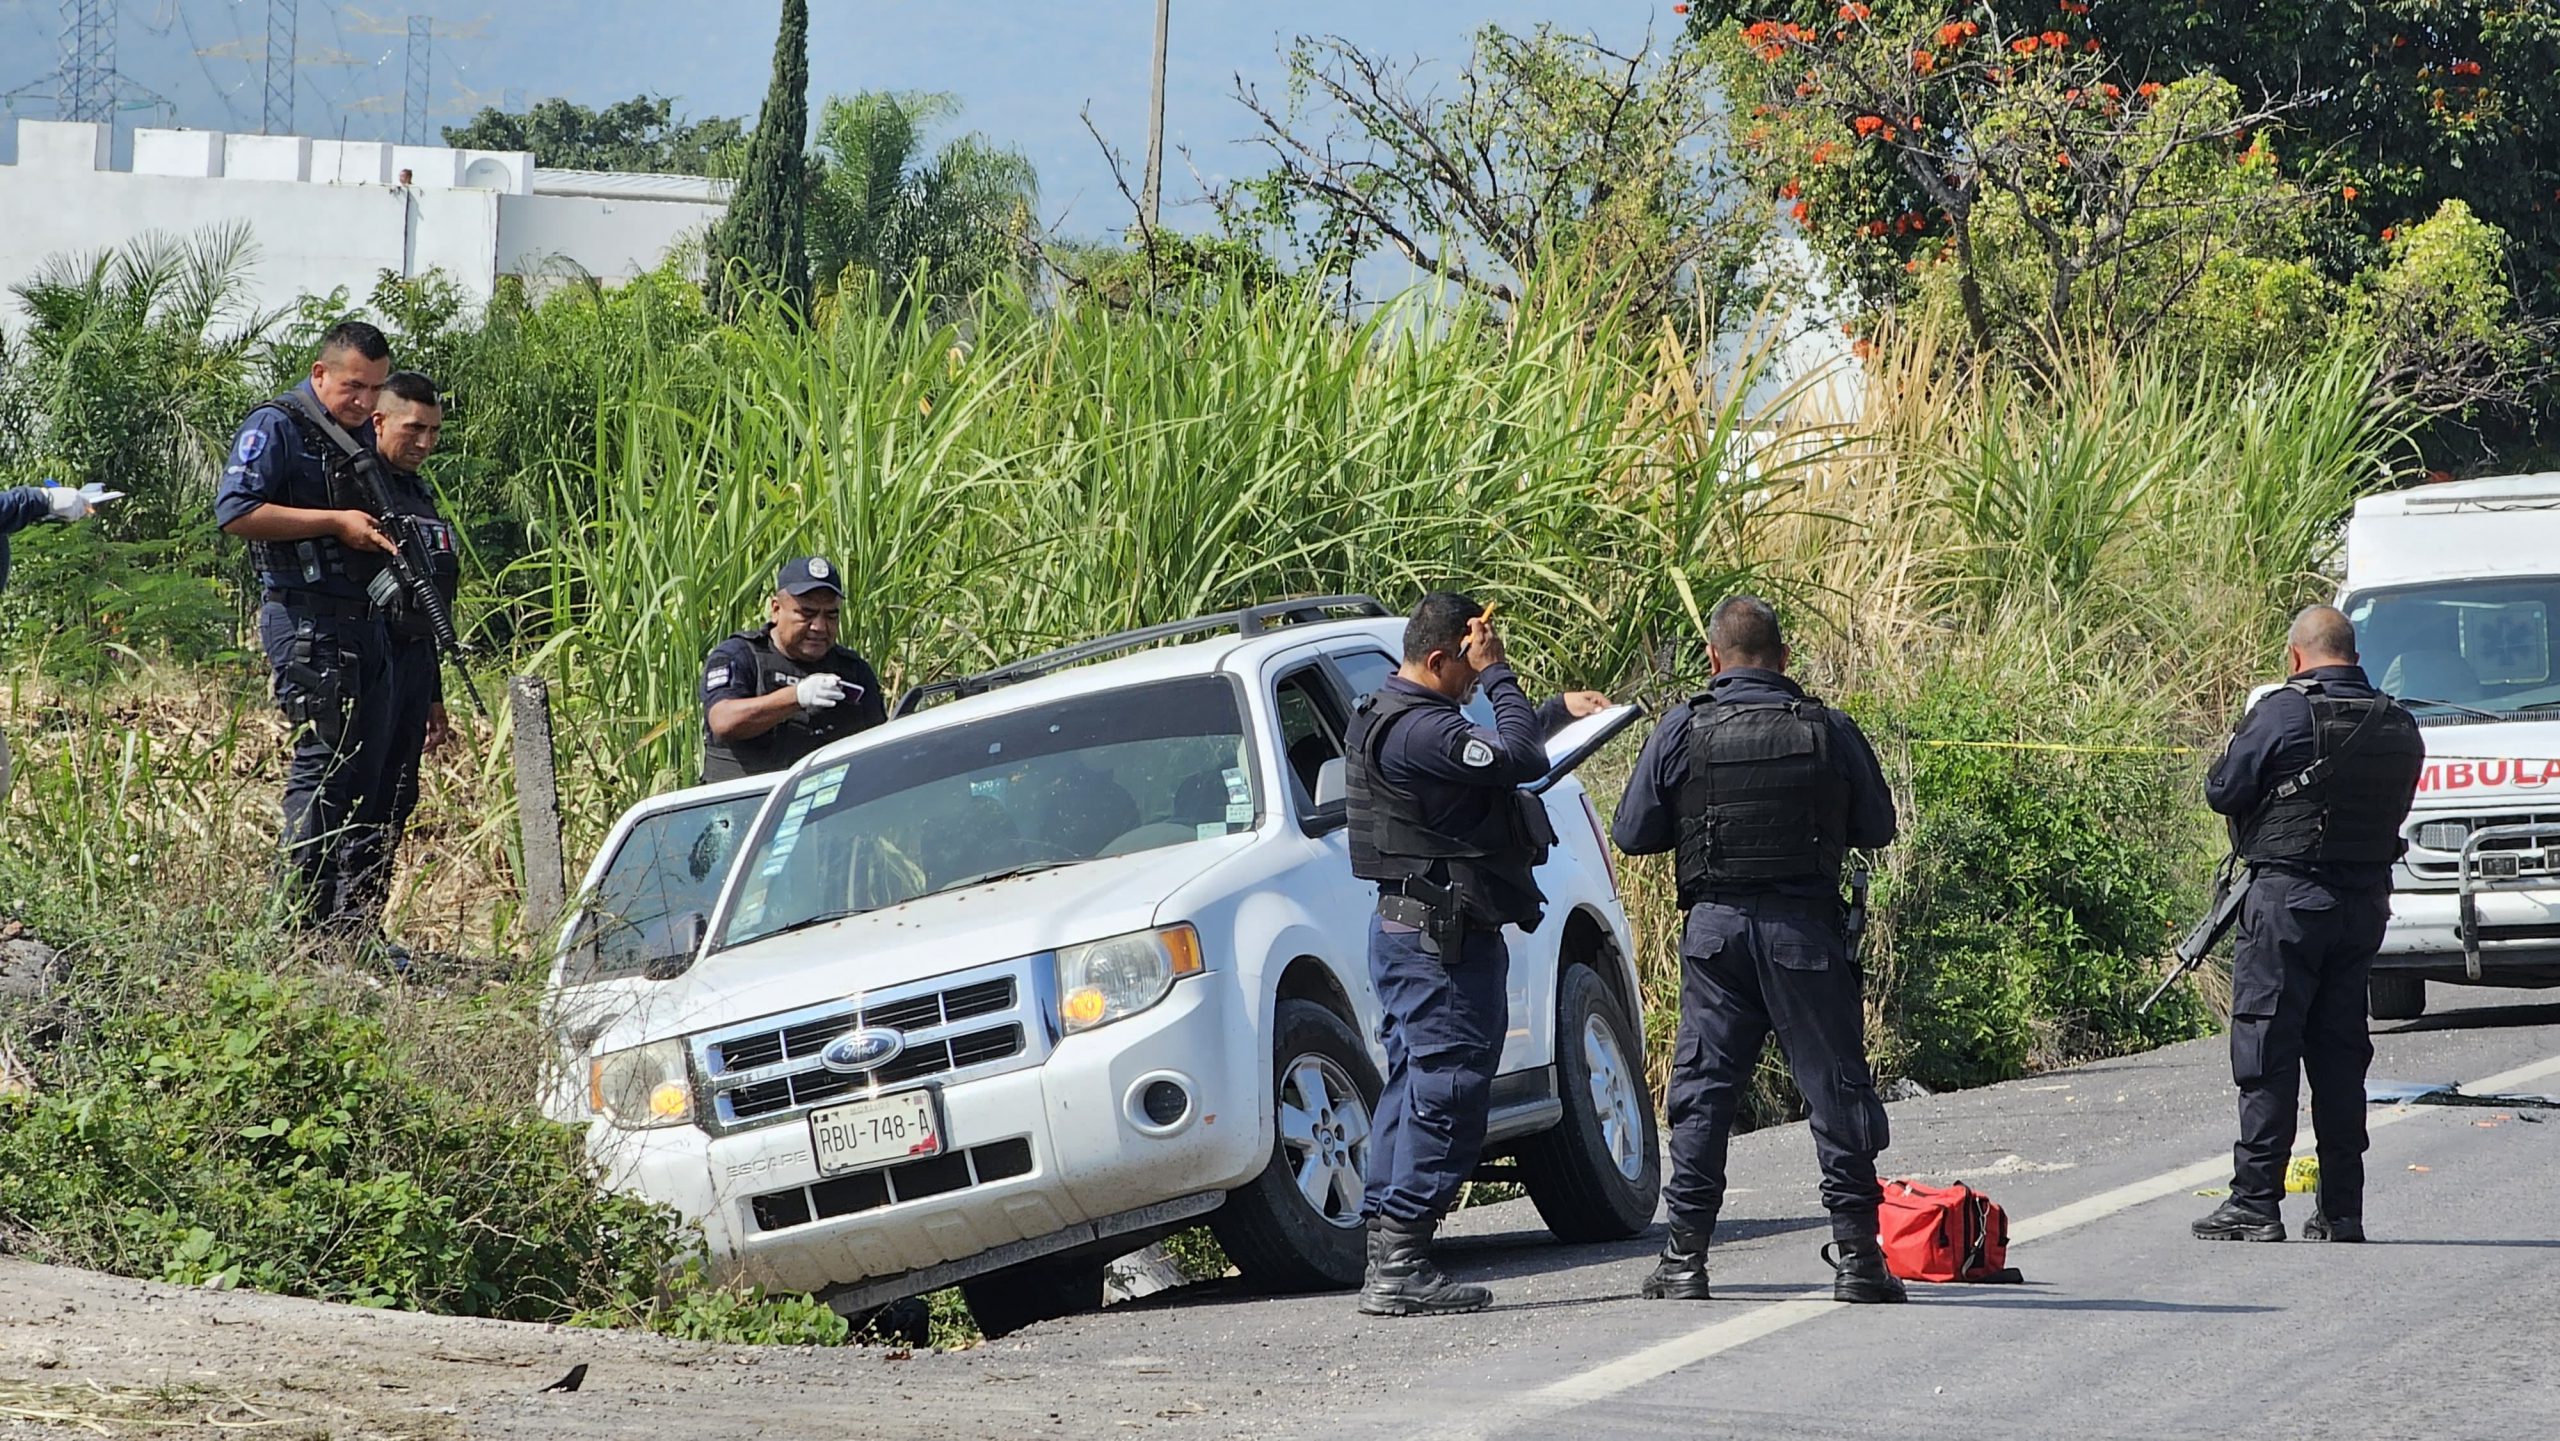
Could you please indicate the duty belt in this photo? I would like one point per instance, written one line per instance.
(333, 607)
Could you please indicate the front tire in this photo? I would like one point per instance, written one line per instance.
(1296, 1226)
(2395, 998)
(1597, 1174)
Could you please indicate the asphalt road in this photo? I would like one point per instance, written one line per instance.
(2447, 1326)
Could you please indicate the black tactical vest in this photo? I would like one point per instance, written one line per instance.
(1764, 800)
(319, 560)
(782, 747)
(2351, 813)
(1392, 839)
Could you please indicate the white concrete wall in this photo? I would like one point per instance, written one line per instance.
(321, 213)
(609, 239)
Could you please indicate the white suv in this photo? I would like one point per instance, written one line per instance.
(1023, 981)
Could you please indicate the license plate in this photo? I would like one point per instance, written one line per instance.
(859, 1135)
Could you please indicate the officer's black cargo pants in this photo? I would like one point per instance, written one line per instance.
(2298, 976)
(333, 679)
(1441, 1022)
(1763, 964)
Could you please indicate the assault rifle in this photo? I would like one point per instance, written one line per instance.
(1855, 928)
(406, 565)
(2230, 887)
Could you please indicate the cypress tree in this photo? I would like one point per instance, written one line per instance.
(767, 213)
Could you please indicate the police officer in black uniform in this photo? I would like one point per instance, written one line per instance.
(1438, 820)
(1763, 790)
(316, 551)
(773, 695)
(408, 421)
(2316, 780)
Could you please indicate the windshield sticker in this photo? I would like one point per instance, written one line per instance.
(1239, 791)
(821, 780)
(1211, 830)
(1239, 815)
(825, 795)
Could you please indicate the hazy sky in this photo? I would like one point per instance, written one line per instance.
(1022, 70)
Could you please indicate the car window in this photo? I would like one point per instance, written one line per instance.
(1366, 670)
(1056, 784)
(1310, 733)
(646, 914)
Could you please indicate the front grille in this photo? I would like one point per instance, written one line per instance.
(769, 1069)
(887, 1186)
(2536, 855)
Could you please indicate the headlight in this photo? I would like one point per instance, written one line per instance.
(1105, 981)
(642, 1087)
(2445, 836)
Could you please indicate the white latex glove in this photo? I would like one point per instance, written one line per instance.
(70, 505)
(819, 692)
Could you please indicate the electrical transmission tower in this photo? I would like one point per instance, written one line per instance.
(85, 84)
(413, 97)
(277, 118)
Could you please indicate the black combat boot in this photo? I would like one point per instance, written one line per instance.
(2324, 1227)
(1401, 1280)
(1859, 1276)
(1681, 1274)
(2232, 1221)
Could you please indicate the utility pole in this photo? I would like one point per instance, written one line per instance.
(277, 117)
(1152, 194)
(421, 63)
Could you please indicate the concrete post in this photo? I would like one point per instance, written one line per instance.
(545, 878)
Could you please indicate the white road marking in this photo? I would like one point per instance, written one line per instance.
(1661, 1359)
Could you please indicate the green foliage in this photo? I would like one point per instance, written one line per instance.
(883, 213)
(2443, 317)
(79, 600)
(259, 1134)
(639, 134)
(761, 241)
(2032, 891)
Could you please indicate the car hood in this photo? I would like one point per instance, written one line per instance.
(2500, 761)
(933, 936)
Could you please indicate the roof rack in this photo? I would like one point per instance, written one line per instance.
(1252, 620)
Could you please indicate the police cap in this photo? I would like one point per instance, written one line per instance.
(815, 572)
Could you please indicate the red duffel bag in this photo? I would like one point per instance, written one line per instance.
(1944, 1233)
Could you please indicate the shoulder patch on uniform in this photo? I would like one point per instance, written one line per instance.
(717, 676)
(1476, 753)
(253, 443)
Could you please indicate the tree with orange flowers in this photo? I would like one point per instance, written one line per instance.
(2014, 175)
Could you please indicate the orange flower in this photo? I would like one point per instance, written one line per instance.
(2112, 92)
(1863, 349)
(1950, 36)
(2387, 232)
(2062, 158)
(1799, 211)
(2092, 46)
(1680, 9)
(1805, 89)
(1912, 265)
(1853, 11)
(1867, 126)
(1923, 61)
(2072, 95)
(2057, 40)
(1822, 153)
(2466, 67)
(2148, 90)
(2348, 194)
(1790, 190)
(2024, 44)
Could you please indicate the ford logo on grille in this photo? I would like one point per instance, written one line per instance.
(867, 1049)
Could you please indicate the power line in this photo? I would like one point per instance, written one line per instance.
(85, 82)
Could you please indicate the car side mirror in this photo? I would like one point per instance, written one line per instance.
(1333, 782)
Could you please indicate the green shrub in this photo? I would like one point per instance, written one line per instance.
(250, 1131)
(2033, 892)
